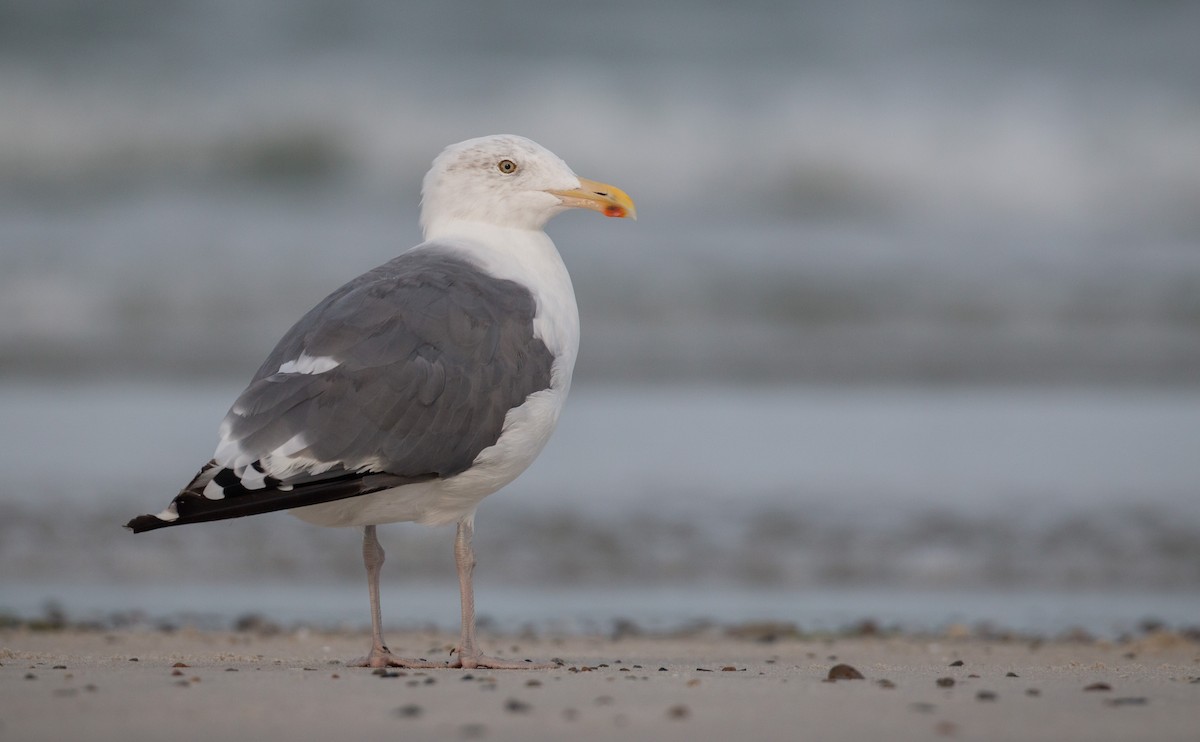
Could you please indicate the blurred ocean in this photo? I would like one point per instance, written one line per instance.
(912, 304)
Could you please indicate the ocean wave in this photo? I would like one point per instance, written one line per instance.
(957, 194)
(760, 547)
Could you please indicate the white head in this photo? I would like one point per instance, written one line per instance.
(509, 181)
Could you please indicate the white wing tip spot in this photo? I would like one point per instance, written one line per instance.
(212, 491)
(169, 515)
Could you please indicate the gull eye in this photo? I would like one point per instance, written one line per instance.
(508, 167)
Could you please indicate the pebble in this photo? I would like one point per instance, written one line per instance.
(945, 682)
(956, 663)
(1098, 687)
(409, 711)
(885, 683)
(678, 712)
(844, 672)
(985, 695)
(515, 706)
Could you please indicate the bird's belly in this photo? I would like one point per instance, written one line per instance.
(440, 501)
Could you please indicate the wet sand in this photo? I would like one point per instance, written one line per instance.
(204, 685)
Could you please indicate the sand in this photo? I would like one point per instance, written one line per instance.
(206, 685)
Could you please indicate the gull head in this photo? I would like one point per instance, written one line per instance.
(509, 181)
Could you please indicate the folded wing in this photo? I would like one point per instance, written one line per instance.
(402, 375)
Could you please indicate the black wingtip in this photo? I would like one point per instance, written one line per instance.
(146, 523)
(191, 507)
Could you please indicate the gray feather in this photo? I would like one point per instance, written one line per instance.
(433, 353)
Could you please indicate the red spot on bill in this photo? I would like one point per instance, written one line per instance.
(614, 210)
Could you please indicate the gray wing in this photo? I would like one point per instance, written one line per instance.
(404, 374)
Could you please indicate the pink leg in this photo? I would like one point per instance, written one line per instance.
(468, 653)
(380, 655)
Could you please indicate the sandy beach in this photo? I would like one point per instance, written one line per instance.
(712, 684)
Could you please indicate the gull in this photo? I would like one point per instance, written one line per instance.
(422, 386)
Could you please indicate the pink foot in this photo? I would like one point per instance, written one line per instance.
(384, 658)
(471, 662)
